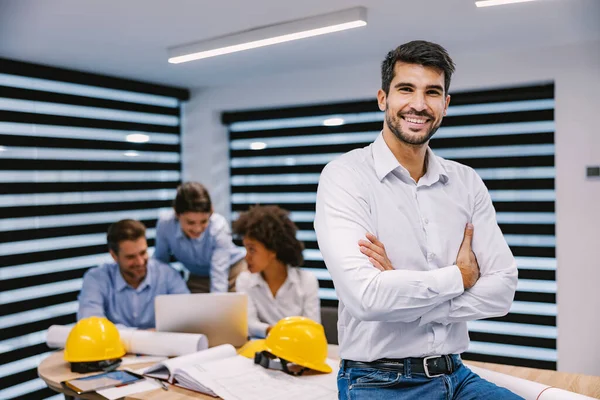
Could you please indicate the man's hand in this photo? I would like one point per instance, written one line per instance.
(375, 250)
(466, 260)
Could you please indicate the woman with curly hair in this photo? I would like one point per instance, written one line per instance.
(276, 288)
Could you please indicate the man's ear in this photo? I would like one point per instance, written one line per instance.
(447, 104)
(114, 255)
(381, 99)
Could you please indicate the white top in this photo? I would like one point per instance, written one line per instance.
(420, 308)
(298, 296)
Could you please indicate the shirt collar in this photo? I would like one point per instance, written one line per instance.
(258, 280)
(435, 170)
(385, 162)
(121, 284)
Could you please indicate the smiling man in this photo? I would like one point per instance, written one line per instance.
(124, 291)
(412, 245)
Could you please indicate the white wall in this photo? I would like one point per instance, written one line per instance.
(575, 69)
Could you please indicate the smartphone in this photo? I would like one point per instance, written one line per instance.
(101, 381)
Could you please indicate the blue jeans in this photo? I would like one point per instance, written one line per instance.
(379, 384)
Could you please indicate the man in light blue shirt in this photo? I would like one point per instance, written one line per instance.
(200, 239)
(124, 291)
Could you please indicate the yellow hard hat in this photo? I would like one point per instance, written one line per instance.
(93, 339)
(296, 340)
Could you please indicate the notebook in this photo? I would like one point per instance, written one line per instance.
(219, 371)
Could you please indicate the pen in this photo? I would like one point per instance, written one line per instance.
(162, 384)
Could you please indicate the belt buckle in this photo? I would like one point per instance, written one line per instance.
(426, 367)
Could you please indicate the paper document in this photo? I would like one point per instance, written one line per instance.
(238, 378)
(138, 387)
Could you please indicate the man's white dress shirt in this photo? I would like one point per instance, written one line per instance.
(298, 296)
(420, 308)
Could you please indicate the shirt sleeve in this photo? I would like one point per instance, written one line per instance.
(161, 244)
(256, 328)
(91, 297)
(342, 219)
(493, 293)
(220, 259)
(175, 284)
(312, 303)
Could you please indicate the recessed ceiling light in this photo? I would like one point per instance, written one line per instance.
(269, 35)
(334, 121)
(138, 138)
(258, 145)
(489, 3)
(131, 154)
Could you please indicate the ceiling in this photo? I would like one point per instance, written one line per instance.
(129, 38)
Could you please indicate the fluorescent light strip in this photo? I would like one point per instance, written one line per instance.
(42, 199)
(526, 218)
(313, 255)
(34, 292)
(320, 274)
(306, 236)
(327, 294)
(40, 107)
(274, 179)
(510, 350)
(270, 35)
(512, 328)
(523, 195)
(59, 243)
(21, 342)
(490, 3)
(537, 263)
(358, 118)
(64, 264)
(307, 140)
(532, 308)
(467, 152)
(88, 176)
(71, 132)
(48, 267)
(21, 365)
(87, 91)
(497, 151)
(530, 240)
(537, 286)
(517, 173)
(513, 128)
(44, 153)
(55, 221)
(276, 161)
(24, 389)
(272, 198)
(38, 314)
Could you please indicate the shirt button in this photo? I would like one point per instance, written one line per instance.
(430, 256)
(425, 221)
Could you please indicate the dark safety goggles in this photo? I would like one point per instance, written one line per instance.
(270, 361)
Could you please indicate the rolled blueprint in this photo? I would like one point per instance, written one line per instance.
(167, 344)
(529, 390)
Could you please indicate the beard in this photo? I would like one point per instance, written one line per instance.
(393, 122)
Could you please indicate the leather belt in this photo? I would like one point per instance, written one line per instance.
(431, 366)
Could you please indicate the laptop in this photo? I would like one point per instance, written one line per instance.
(222, 317)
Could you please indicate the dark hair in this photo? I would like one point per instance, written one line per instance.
(126, 229)
(192, 196)
(272, 226)
(419, 52)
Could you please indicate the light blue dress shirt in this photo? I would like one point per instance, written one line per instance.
(106, 294)
(209, 255)
(420, 308)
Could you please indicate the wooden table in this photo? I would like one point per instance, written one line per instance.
(54, 370)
